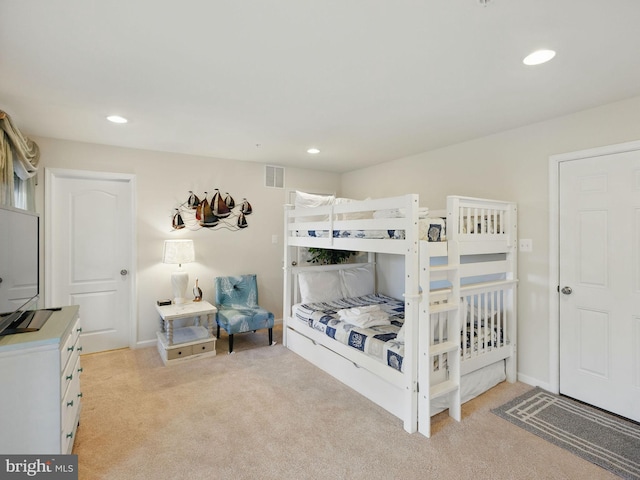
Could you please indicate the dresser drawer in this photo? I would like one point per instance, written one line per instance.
(70, 408)
(69, 374)
(70, 345)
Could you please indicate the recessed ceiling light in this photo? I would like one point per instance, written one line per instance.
(117, 119)
(313, 151)
(538, 57)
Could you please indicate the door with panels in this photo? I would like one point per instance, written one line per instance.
(599, 259)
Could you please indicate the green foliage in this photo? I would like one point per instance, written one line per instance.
(326, 256)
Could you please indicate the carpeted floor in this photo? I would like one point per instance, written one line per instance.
(601, 438)
(265, 413)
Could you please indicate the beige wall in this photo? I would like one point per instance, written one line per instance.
(511, 165)
(163, 181)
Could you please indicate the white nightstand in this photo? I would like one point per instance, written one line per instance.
(175, 344)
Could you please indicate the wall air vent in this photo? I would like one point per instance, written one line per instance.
(273, 176)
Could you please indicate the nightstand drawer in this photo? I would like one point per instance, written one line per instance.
(179, 352)
(204, 347)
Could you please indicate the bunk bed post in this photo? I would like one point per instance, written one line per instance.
(454, 316)
(286, 267)
(424, 361)
(412, 298)
(511, 368)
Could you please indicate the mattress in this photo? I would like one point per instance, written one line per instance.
(379, 342)
(432, 230)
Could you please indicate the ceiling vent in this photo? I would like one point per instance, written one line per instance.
(273, 176)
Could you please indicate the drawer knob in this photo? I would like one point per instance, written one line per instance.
(70, 349)
(80, 395)
(80, 370)
(70, 435)
(79, 329)
(79, 349)
(70, 377)
(70, 404)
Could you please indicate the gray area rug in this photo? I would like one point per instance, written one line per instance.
(601, 438)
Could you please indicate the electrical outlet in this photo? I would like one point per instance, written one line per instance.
(526, 245)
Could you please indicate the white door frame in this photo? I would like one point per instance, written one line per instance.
(554, 246)
(50, 175)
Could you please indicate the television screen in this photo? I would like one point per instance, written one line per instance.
(19, 257)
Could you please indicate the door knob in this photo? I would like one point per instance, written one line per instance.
(567, 290)
(124, 271)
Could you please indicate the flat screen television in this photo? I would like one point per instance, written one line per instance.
(26, 318)
(19, 259)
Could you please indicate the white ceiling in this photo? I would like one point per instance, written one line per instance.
(365, 81)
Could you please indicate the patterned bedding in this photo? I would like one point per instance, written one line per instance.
(432, 230)
(378, 342)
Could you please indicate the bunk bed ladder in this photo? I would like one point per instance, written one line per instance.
(439, 368)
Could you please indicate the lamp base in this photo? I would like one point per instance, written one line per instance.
(179, 281)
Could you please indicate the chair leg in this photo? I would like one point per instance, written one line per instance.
(271, 336)
(218, 332)
(230, 343)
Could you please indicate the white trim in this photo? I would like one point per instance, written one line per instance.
(50, 175)
(554, 247)
(534, 382)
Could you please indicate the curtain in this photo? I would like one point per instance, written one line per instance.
(19, 157)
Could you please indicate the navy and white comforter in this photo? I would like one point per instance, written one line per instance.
(378, 342)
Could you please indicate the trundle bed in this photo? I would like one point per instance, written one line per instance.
(450, 338)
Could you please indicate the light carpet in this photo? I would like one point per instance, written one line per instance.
(604, 439)
(266, 413)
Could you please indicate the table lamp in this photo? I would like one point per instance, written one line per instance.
(179, 252)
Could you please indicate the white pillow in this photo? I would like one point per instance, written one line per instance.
(310, 200)
(320, 286)
(358, 281)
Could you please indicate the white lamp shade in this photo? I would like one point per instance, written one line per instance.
(178, 252)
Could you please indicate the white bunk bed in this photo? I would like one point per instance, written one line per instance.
(459, 299)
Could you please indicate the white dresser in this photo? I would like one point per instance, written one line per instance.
(40, 395)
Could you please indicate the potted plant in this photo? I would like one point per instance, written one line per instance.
(327, 256)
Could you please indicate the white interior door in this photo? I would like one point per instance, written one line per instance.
(89, 253)
(599, 212)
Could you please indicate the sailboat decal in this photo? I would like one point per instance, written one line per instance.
(219, 206)
(193, 200)
(201, 206)
(242, 221)
(228, 199)
(221, 211)
(208, 218)
(177, 221)
(246, 207)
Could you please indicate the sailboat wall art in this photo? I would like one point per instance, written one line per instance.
(214, 211)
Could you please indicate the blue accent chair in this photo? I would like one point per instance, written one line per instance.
(238, 309)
